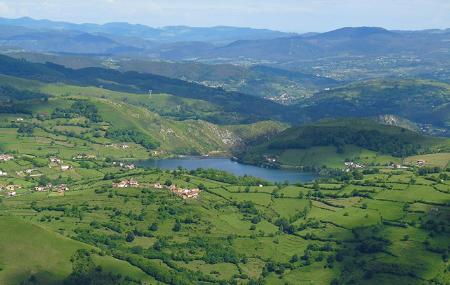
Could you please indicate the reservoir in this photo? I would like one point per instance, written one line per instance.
(225, 164)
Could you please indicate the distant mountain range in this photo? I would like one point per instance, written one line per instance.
(217, 35)
(216, 43)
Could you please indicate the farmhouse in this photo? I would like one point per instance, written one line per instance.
(184, 193)
(129, 166)
(65, 167)
(123, 165)
(398, 166)
(2, 173)
(190, 193)
(421, 162)
(270, 159)
(40, 188)
(62, 188)
(12, 187)
(124, 146)
(85, 156)
(55, 160)
(353, 165)
(158, 186)
(12, 193)
(6, 157)
(126, 183)
(29, 171)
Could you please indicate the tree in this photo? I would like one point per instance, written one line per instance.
(176, 227)
(130, 237)
(153, 227)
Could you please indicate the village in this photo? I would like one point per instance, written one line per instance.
(54, 161)
(184, 193)
(181, 192)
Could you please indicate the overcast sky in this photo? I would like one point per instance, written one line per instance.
(286, 15)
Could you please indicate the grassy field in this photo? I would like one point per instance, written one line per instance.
(64, 220)
(278, 234)
(29, 250)
(434, 159)
(331, 143)
(153, 116)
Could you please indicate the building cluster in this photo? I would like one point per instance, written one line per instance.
(181, 192)
(55, 160)
(6, 157)
(420, 162)
(124, 165)
(83, 156)
(59, 162)
(30, 172)
(122, 146)
(127, 183)
(11, 189)
(398, 166)
(65, 167)
(350, 165)
(49, 187)
(270, 159)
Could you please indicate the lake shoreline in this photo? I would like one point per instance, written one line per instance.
(227, 164)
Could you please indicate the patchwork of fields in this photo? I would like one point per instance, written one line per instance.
(390, 226)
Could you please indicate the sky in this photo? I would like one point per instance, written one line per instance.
(283, 15)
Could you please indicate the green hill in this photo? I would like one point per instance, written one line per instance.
(420, 101)
(332, 142)
(258, 80)
(31, 254)
(229, 107)
(103, 116)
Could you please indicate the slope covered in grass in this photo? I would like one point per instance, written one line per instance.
(333, 142)
(68, 112)
(26, 249)
(420, 101)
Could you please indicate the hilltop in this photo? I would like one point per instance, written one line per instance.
(332, 142)
(54, 109)
(226, 107)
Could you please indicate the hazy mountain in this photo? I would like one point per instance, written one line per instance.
(361, 41)
(218, 44)
(60, 41)
(220, 34)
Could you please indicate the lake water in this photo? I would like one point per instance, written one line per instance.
(225, 164)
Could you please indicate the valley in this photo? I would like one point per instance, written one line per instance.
(138, 155)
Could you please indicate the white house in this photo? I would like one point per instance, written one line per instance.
(65, 167)
(6, 157)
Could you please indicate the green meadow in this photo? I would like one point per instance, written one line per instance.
(363, 231)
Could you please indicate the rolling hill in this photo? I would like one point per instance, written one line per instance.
(420, 101)
(232, 107)
(165, 133)
(279, 85)
(332, 142)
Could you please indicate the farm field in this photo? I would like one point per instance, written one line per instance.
(365, 231)
(76, 208)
